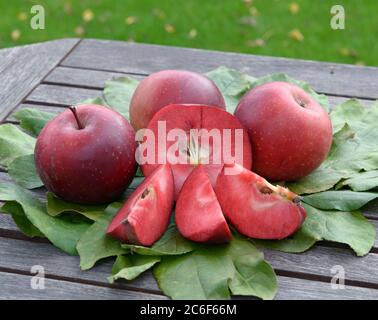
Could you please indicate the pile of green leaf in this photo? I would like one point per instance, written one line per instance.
(333, 194)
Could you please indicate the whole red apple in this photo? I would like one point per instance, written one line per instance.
(168, 87)
(290, 132)
(86, 155)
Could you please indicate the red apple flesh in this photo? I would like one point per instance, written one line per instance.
(144, 217)
(187, 117)
(290, 132)
(256, 208)
(171, 86)
(198, 214)
(89, 159)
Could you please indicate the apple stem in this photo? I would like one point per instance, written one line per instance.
(73, 109)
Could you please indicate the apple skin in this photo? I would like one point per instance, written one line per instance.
(93, 165)
(256, 208)
(290, 133)
(144, 217)
(198, 214)
(171, 86)
(187, 117)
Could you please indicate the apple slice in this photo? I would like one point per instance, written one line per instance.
(256, 208)
(198, 214)
(231, 140)
(145, 215)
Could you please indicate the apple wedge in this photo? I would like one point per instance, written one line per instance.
(198, 214)
(255, 207)
(145, 215)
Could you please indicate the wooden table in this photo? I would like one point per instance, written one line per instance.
(53, 75)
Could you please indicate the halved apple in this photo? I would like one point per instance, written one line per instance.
(255, 207)
(197, 124)
(198, 214)
(145, 215)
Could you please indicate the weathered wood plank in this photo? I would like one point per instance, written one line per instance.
(83, 77)
(320, 260)
(299, 289)
(96, 79)
(116, 56)
(18, 287)
(20, 255)
(63, 96)
(22, 68)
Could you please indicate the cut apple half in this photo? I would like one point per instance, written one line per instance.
(209, 136)
(255, 207)
(198, 214)
(145, 215)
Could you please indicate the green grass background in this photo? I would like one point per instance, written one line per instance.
(250, 26)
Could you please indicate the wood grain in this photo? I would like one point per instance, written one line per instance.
(84, 77)
(320, 260)
(18, 287)
(21, 255)
(61, 96)
(299, 289)
(22, 68)
(116, 56)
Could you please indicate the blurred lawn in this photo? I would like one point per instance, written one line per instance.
(297, 29)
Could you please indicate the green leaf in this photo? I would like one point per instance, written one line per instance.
(171, 243)
(350, 228)
(139, 172)
(351, 112)
(362, 181)
(201, 274)
(320, 98)
(118, 93)
(343, 200)
(22, 170)
(131, 266)
(14, 143)
(62, 232)
(56, 206)
(253, 275)
(301, 241)
(22, 222)
(95, 245)
(209, 271)
(33, 120)
(232, 83)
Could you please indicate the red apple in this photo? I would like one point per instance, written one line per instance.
(256, 208)
(198, 214)
(144, 217)
(290, 132)
(186, 118)
(87, 155)
(168, 87)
